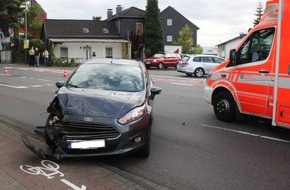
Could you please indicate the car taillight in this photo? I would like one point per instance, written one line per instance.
(185, 63)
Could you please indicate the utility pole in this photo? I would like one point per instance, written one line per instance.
(26, 46)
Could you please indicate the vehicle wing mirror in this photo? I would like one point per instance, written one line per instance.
(233, 54)
(59, 84)
(154, 91)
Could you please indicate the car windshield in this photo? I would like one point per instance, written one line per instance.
(114, 77)
(185, 58)
(158, 55)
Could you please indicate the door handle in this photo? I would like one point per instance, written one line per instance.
(264, 71)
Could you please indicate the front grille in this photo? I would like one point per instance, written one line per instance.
(88, 131)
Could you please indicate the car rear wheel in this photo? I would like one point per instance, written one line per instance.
(49, 132)
(224, 107)
(160, 66)
(199, 72)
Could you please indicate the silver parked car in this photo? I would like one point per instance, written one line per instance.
(198, 65)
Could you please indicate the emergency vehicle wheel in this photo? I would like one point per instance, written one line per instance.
(224, 107)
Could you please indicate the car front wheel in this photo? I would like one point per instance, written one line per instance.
(144, 152)
(224, 107)
(160, 66)
(49, 131)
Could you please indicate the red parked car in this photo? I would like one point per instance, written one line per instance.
(163, 60)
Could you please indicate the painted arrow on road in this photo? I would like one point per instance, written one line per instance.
(73, 185)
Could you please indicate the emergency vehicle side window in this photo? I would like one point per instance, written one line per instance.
(257, 47)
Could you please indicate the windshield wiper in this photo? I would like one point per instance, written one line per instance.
(74, 86)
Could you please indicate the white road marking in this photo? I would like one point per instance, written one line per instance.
(73, 185)
(45, 80)
(183, 84)
(10, 86)
(50, 170)
(246, 133)
(37, 85)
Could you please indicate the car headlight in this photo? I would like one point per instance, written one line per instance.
(133, 115)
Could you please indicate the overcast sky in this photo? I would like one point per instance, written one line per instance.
(218, 20)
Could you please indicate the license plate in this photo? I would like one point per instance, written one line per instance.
(91, 144)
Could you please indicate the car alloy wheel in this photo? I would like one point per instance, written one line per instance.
(199, 72)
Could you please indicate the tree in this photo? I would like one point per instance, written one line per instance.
(97, 18)
(258, 14)
(153, 36)
(185, 39)
(196, 50)
(34, 21)
(10, 12)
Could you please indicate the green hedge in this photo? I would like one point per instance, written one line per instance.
(64, 62)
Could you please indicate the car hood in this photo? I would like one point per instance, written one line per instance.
(98, 103)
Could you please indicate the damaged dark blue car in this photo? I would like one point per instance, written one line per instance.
(104, 108)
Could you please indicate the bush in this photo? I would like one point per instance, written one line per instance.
(63, 62)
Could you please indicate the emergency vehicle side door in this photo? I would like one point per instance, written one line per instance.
(252, 74)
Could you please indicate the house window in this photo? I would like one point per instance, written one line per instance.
(64, 52)
(109, 52)
(169, 38)
(139, 28)
(169, 22)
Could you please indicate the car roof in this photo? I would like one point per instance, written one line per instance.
(131, 62)
(202, 55)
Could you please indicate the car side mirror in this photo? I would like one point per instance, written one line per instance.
(154, 91)
(233, 54)
(59, 84)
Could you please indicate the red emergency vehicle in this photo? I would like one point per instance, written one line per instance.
(255, 80)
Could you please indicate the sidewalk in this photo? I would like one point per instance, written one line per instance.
(93, 174)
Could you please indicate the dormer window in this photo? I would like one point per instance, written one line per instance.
(105, 31)
(86, 30)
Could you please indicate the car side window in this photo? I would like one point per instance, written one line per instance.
(257, 47)
(217, 59)
(207, 59)
(196, 59)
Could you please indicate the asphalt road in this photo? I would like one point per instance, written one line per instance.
(191, 149)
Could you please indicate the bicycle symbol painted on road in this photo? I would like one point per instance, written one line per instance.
(49, 169)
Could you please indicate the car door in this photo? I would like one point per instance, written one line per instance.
(207, 63)
(253, 73)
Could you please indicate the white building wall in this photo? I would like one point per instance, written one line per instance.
(76, 50)
(224, 49)
(231, 45)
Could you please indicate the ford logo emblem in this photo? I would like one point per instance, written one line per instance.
(88, 119)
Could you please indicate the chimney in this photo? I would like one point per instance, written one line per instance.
(118, 9)
(109, 14)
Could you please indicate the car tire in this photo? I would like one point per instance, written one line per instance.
(160, 66)
(144, 152)
(48, 132)
(224, 107)
(148, 67)
(199, 72)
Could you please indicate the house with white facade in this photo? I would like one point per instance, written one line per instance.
(81, 39)
(224, 48)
